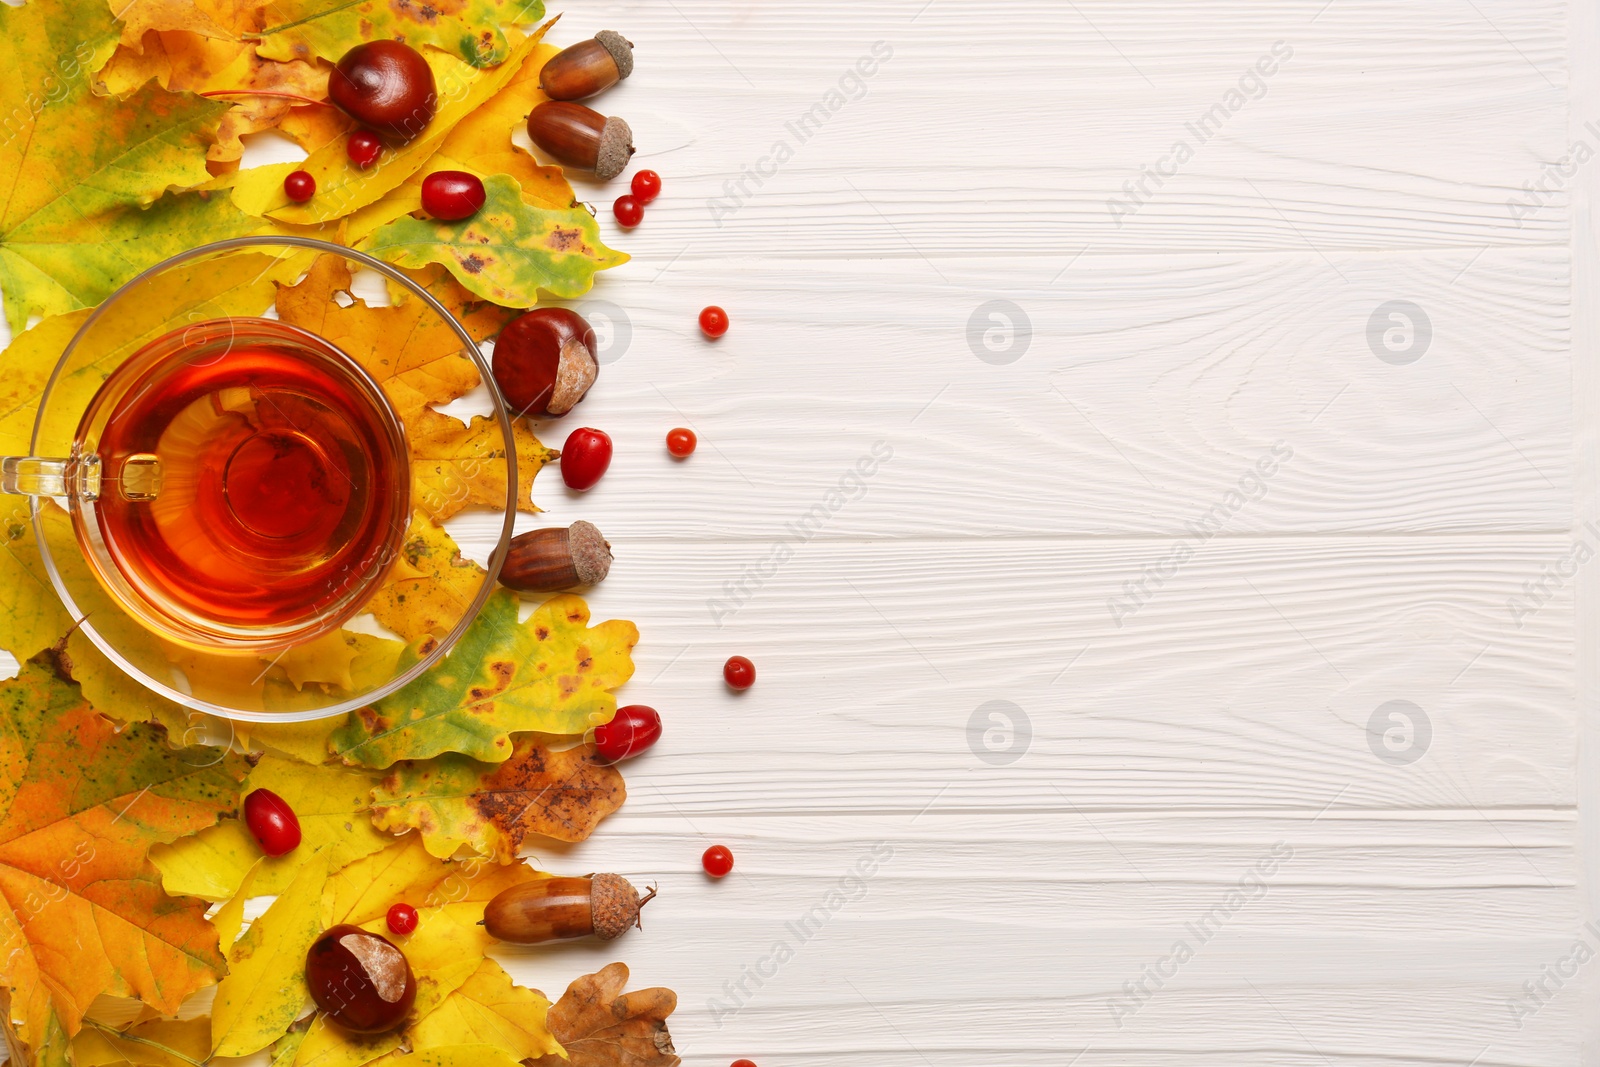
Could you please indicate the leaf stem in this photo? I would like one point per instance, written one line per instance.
(120, 1035)
(265, 92)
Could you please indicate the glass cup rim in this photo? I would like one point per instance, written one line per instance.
(442, 646)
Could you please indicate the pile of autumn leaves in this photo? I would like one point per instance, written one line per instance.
(118, 823)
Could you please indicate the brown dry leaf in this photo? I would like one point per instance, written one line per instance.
(601, 1026)
(488, 809)
(184, 61)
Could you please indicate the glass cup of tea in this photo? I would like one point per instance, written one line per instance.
(217, 493)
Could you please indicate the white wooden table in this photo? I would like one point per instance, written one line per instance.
(1329, 744)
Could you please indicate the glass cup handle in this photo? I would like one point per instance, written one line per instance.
(80, 477)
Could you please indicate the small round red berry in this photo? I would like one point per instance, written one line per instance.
(739, 672)
(452, 195)
(717, 861)
(364, 147)
(681, 442)
(631, 730)
(585, 457)
(646, 186)
(300, 186)
(713, 321)
(743, 1063)
(402, 918)
(272, 822)
(628, 210)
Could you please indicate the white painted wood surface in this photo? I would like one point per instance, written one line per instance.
(1224, 721)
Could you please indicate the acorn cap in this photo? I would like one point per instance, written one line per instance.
(616, 148)
(591, 554)
(621, 50)
(615, 904)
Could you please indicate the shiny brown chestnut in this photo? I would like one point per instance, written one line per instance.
(386, 86)
(360, 980)
(545, 361)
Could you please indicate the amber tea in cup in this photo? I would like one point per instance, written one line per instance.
(253, 485)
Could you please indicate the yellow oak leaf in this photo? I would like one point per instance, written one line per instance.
(489, 809)
(453, 1056)
(481, 318)
(156, 1043)
(488, 1008)
(470, 29)
(81, 804)
(551, 674)
(224, 20)
(266, 987)
(75, 168)
(457, 465)
(601, 1026)
(331, 804)
(259, 92)
(431, 586)
(342, 187)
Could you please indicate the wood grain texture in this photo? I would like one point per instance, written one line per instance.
(1425, 540)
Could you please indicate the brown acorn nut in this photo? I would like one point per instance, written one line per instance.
(582, 138)
(556, 909)
(544, 361)
(588, 67)
(553, 559)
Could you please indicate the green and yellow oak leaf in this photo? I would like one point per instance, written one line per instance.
(259, 92)
(81, 804)
(488, 1008)
(265, 989)
(417, 359)
(155, 1043)
(598, 1025)
(331, 802)
(488, 809)
(431, 586)
(506, 252)
(551, 674)
(342, 187)
(78, 171)
(470, 30)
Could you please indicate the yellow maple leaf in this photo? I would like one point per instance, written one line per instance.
(488, 1008)
(331, 804)
(266, 985)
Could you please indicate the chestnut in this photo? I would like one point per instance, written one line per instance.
(386, 86)
(545, 361)
(360, 980)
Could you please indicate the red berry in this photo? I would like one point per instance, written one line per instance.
(452, 195)
(739, 672)
(272, 821)
(300, 186)
(717, 861)
(632, 730)
(681, 442)
(714, 321)
(628, 210)
(584, 458)
(364, 147)
(402, 919)
(646, 186)
(743, 1063)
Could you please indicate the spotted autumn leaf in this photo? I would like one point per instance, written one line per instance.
(490, 809)
(81, 805)
(601, 1026)
(506, 252)
(552, 674)
(469, 29)
(431, 585)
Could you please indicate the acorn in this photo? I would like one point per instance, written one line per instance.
(557, 909)
(553, 559)
(588, 67)
(545, 361)
(582, 138)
